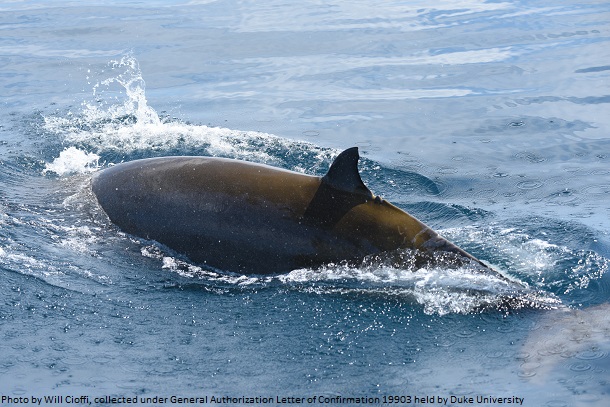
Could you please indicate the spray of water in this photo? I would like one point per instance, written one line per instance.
(118, 124)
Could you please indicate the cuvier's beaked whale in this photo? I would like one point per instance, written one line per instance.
(252, 218)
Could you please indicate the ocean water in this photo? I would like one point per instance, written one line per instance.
(488, 120)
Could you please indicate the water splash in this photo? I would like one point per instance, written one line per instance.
(119, 125)
(71, 161)
(536, 259)
(438, 289)
(129, 77)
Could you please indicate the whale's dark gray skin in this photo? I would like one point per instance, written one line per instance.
(252, 218)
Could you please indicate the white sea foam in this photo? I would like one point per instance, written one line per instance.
(438, 289)
(71, 161)
(29, 265)
(80, 239)
(545, 263)
(119, 120)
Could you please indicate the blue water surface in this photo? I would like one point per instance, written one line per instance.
(488, 120)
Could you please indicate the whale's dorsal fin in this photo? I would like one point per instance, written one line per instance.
(340, 190)
(343, 173)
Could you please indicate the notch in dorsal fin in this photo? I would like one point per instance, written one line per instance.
(343, 174)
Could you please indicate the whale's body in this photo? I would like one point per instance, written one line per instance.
(252, 218)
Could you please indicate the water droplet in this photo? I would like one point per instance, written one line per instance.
(522, 356)
(580, 367)
(591, 355)
(527, 373)
(465, 333)
(532, 184)
(529, 156)
(552, 349)
(447, 170)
